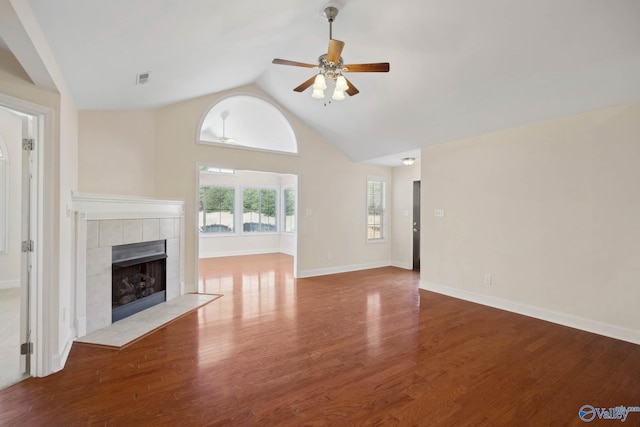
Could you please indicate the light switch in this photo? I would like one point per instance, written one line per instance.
(438, 213)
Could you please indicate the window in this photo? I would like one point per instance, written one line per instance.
(216, 209)
(248, 122)
(375, 209)
(259, 210)
(214, 169)
(289, 218)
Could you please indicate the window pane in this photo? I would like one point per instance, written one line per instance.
(290, 210)
(259, 210)
(216, 209)
(268, 210)
(375, 210)
(251, 209)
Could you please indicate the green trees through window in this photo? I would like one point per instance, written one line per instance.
(217, 209)
(289, 195)
(259, 210)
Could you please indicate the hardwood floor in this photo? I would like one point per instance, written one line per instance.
(362, 348)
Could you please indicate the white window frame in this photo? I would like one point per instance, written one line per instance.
(235, 209)
(276, 189)
(384, 216)
(283, 210)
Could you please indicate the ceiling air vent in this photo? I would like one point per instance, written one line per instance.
(142, 78)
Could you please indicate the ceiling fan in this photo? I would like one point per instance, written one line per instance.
(224, 139)
(332, 67)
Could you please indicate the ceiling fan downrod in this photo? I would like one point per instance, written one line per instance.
(330, 12)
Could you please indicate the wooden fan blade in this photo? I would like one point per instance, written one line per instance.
(352, 89)
(335, 50)
(380, 67)
(294, 63)
(305, 85)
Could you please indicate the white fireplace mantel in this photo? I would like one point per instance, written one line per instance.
(99, 206)
(104, 221)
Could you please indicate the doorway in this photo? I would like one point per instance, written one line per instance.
(416, 225)
(17, 224)
(245, 212)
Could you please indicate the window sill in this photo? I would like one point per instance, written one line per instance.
(374, 241)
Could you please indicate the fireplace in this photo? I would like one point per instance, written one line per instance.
(138, 277)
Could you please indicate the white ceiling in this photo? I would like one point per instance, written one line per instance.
(458, 67)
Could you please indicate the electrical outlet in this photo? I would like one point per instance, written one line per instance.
(329, 256)
(487, 279)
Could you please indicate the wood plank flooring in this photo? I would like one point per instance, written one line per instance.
(361, 348)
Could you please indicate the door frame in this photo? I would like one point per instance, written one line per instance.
(196, 207)
(415, 235)
(42, 302)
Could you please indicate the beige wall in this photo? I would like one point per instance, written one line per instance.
(331, 187)
(550, 210)
(402, 215)
(11, 135)
(117, 152)
(15, 82)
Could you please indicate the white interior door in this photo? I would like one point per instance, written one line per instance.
(17, 170)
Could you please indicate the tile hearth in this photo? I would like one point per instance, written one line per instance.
(127, 330)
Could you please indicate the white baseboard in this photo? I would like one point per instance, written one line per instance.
(238, 253)
(600, 328)
(401, 264)
(341, 269)
(9, 284)
(60, 359)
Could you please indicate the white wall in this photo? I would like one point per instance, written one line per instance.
(117, 152)
(402, 215)
(550, 210)
(11, 135)
(239, 243)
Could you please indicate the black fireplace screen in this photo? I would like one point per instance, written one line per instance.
(138, 277)
(137, 281)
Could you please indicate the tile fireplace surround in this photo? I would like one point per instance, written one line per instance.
(105, 221)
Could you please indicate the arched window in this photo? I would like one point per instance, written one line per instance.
(245, 121)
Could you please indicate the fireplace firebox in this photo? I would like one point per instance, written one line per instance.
(138, 277)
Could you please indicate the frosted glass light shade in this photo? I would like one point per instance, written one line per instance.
(341, 84)
(319, 83)
(317, 94)
(338, 95)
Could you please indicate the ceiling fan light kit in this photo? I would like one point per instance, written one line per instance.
(331, 67)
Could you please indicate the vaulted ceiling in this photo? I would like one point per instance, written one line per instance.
(458, 67)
